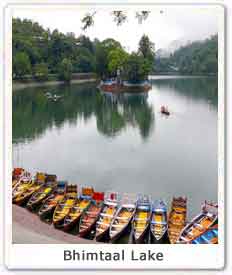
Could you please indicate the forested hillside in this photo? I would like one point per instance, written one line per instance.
(39, 53)
(200, 57)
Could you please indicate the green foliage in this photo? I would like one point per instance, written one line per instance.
(21, 65)
(41, 72)
(137, 68)
(147, 48)
(65, 70)
(117, 59)
(200, 57)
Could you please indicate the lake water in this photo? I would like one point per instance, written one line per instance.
(123, 143)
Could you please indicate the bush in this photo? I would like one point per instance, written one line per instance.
(41, 72)
(65, 70)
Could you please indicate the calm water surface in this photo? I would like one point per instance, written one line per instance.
(123, 143)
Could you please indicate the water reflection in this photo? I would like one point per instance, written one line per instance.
(34, 112)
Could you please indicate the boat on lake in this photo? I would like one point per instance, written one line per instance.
(110, 207)
(51, 202)
(141, 219)
(123, 216)
(91, 214)
(63, 207)
(202, 222)
(210, 236)
(177, 218)
(159, 225)
(38, 197)
(81, 204)
(164, 110)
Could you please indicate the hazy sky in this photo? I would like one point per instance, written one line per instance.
(162, 27)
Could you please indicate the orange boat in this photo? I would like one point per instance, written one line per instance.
(210, 236)
(91, 214)
(177, 218)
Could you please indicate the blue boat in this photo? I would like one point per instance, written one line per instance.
(158, 225)
(210, 236)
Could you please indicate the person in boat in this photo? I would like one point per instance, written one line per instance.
(164, 110)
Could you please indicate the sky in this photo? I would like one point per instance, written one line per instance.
(162, 26)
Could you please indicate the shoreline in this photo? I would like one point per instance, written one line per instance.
(18, 85)
(27, 228)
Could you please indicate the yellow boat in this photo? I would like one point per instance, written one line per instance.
(141, 220)
(24, 191)
(64, 206)
(38, 197)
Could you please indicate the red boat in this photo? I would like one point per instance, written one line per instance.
(91, 214)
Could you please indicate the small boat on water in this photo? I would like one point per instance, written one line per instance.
(51, 202)
(63, 207)
(123, 216)
(177, 218)
(210, 236)
(141, 219)
(206, 219)
(164, 110)
(38, 197)
(78, 208)
(159, 225)
(17, 174)
(23, 192)
(110, 207)
(91, 214)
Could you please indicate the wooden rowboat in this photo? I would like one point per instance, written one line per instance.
(63, 207)
(210, 236)
(78, 208)
(141, 220)
(123, 217)
(159, 225)
(22, 193)
(91, 214)
(177, 218)
(206, 219)
(38, 197)
(109, 210)
(51, 202)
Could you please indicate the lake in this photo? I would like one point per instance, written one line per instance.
(123, 143)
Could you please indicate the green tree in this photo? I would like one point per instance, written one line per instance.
(137, 68)
(117, 60)
(65, 70)
(41, 72)
(147, 48)
(21, 65)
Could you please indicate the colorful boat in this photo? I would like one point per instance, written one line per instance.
(38, 197)
(51, 202)
(23, 192)
(123, 217)
(91, 214)
(17, 174)
(141, 219)
(81, 204)
(40, 177)
(63, 207)
(159, 225)
(109, 210)
(210, 236)
(206, 219)
(177, 218)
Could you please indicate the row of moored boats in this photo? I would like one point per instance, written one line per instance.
(110, 214)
